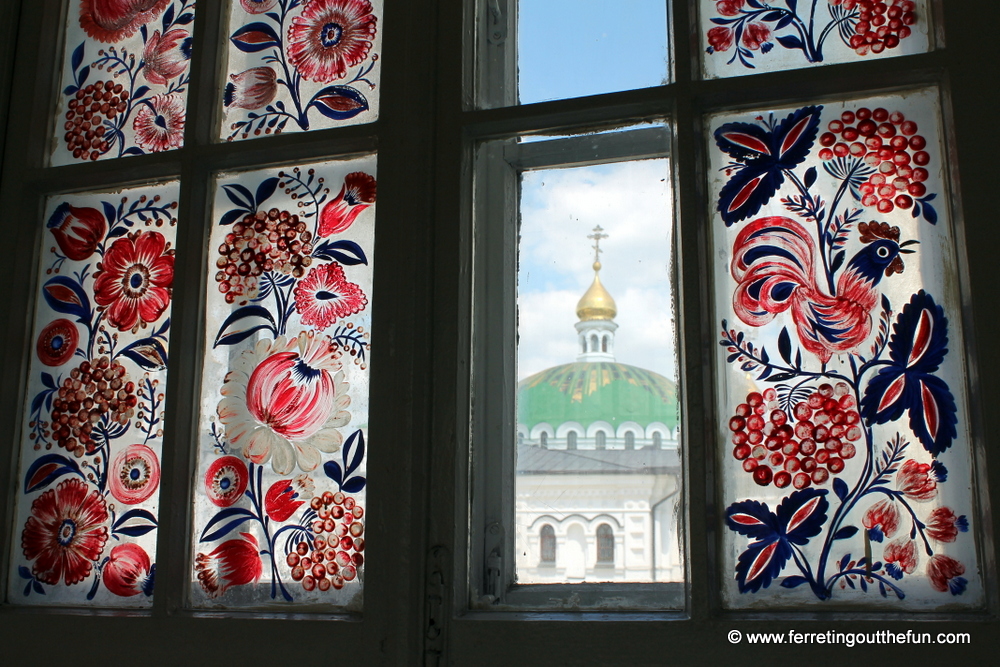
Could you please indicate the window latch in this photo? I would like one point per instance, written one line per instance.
(493, 565)
(498, 22)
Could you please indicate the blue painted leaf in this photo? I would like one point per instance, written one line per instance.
(234, 516)
(140, 92)
(133, 150)
(147, 586)
(241, 324)
(753, 519)
(135, 515)
(70, 90)
(240, 196)
(757, 567)
(135, 531)
(184, 18)
(793, 581)
(48, 381)
(27, 589)
(149, 353)
(354, 484)
(810, 177)
(346, 252)
(65, 295)
(232, 216)
(24, 572)
(772, 15)
(37, 587)
(110, 212)
(790, 41)
(930, 215)
(135, 523)
(46, 469)
(838, 260)
(785, 345)
(802, 515)
(82, 75)
(840, 488)
(792, 4)
(934, 416)
(340, 102)
(846, 532)
(354, 452)
(168, 18)
(255, 37)
(265, 190)
(333, 471)
(77, 58)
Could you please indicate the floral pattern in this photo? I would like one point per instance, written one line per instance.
(295, 65)
(283, 450)
(125, 79)
(89, 473)
(853, 414)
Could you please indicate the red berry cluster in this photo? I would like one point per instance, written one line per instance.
(84, 121)
(880, 25)
(336, 552)
(92, 390)
(886, 142)
(827, 423)
(265, 241)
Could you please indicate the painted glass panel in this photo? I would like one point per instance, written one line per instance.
(747, 36)
(125, 78)
(88, 481)
(599, 460)
(280, 487)
(847, 464)
(295, 65)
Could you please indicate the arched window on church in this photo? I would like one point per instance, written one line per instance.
(604, 344)
(629, 440)
(593, 343)
(601, 440)
(543, 440)
(605, 544)
(571, 440)
(583, 344)
(657, 440)
(548, 545)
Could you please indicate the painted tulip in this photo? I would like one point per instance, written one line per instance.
(166, 57)
(900, 557)
(252, 89)
(233, 563)
(881, 520)
(115, 20)
(357, 194)
(128, 571)
(945, 574)
(281, 500)
(78, 231)
(919, 480)
(944, 526)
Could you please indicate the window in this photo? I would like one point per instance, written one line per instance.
(548, 544)
(600, 440)
(605, 544)
(417, 604)
(629, 440)
(571, 440)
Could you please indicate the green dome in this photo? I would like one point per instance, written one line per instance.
(586, 392)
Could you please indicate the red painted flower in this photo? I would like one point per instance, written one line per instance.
(720, 38)
(919, 480)
(945, 574)
(128, 571)
(900, 557)
(166, 57)
(77, 230)
(881, 520)
(729, 7)
(57, 342)
(357, 194)
(282, 499)
(944, 526)
(284, 400)
(258, 6)
(755, 35)
(66, 532)
(233, 563)
(226, 480)
(324, 296)
(115, 20)
(330, 36)
(134, 475)
(252, 89)
(159, 125)
(133, 281)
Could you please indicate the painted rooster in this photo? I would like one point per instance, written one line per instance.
(773, 265)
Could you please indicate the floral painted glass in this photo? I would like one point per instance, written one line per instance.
(846, 455)
(747, 36)
(295, 66)
(125, 79)
(280, 487)
(87, 494)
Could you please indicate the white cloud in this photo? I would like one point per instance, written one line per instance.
(632, 202)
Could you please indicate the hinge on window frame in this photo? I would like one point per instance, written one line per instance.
(435, 601)
(497, 21)
(493, 588)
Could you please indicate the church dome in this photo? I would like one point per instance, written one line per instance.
(586, 392)
(596, 303)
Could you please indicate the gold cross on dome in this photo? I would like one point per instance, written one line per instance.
(597, 236)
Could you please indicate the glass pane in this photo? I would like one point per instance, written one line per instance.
(280, 486)
(125, 78)
(848, 473)
(571, 48)
(90, 457)
(747, 36)
(295, 66)
(598, 466)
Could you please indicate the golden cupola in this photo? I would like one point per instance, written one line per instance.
(596, 303)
